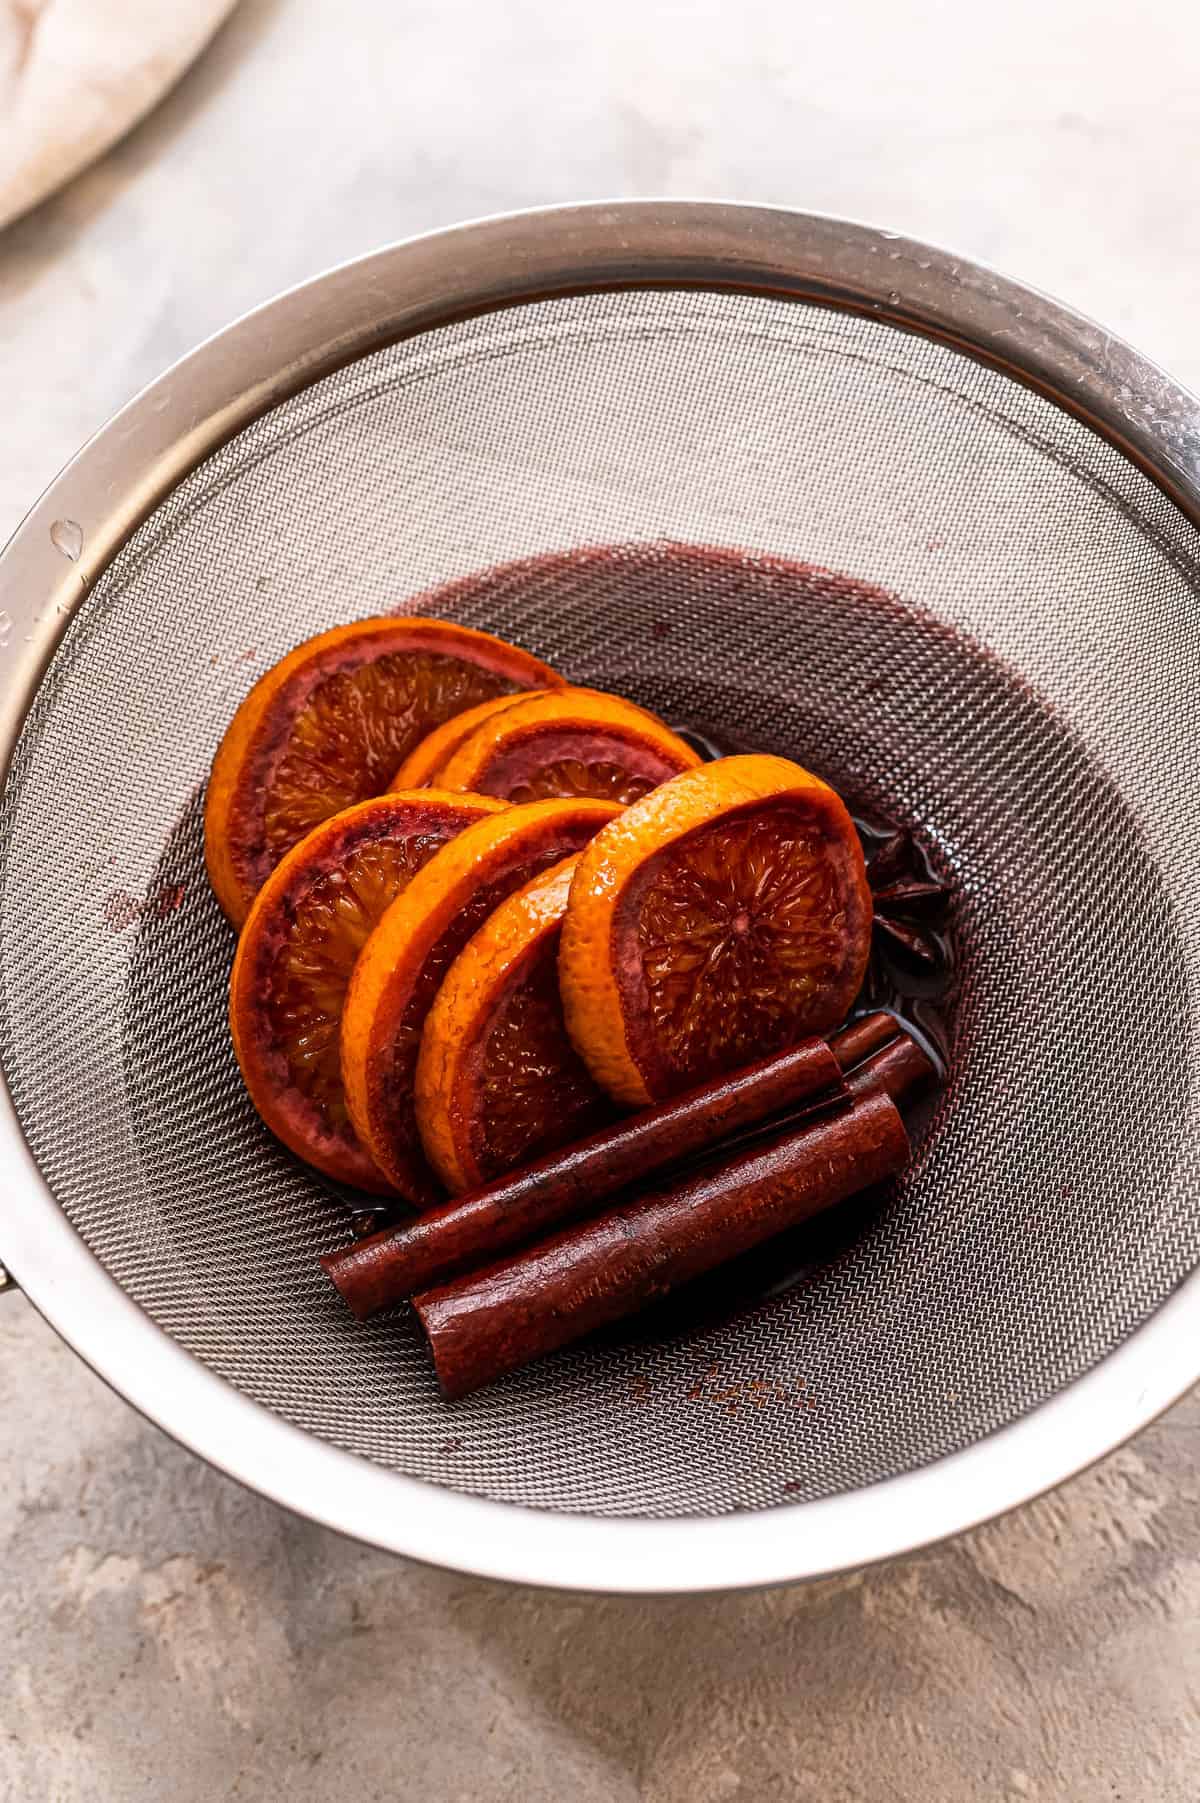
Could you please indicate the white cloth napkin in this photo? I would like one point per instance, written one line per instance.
(76, 74)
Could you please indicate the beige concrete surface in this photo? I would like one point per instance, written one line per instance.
(169, 1638)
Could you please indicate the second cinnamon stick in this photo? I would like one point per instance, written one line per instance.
(902, 1070)
(514, 1209)
(599, 1270)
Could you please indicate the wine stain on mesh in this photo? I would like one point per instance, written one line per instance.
(1034, 1230)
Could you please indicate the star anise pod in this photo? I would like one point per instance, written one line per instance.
(904, 897)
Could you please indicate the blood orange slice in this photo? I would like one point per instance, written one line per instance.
(297, 950)
(403, 963)
(722, 918)
(498, 1080)
(573, 742)
(330, 725)
(425, 759)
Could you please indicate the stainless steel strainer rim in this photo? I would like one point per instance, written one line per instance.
(139, 457)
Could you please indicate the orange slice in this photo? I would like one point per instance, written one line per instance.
(403, 963)
(722, 918)
(422, 763)
(297, 950)
(498, 1080)
(574, 742)
(330, 725)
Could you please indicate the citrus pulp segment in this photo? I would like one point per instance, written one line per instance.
(498, 1081)
(306, 928)
(330, 724)
(722, 918)
(403, 963)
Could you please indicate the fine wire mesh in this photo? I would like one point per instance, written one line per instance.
(1029, 698)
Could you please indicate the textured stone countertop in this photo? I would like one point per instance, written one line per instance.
(168, 1635)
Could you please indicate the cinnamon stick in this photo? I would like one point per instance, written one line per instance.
(514, 1209)
(596, 1271)
(900, 1070)
(862, 1037)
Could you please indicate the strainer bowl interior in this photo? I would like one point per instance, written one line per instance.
(650, 486)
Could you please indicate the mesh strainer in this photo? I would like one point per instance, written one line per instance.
(634, 380)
